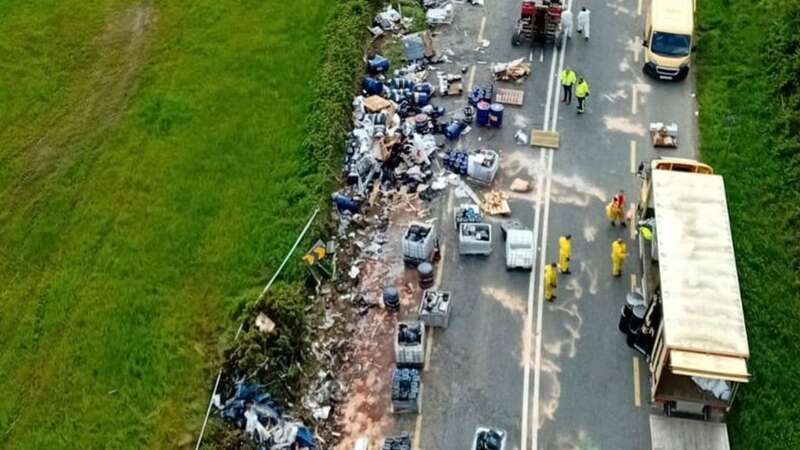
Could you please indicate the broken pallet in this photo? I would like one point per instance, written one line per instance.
(509, 96)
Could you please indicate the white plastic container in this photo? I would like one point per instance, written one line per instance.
(519, 249)
(482, 165)
(419, 242)
(410, 355)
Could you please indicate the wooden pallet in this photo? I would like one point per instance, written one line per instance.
(548, 139)
(509, 96)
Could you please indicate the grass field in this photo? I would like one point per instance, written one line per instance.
(748, 62)
(147, 151)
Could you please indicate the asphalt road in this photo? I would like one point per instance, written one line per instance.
(555, 376)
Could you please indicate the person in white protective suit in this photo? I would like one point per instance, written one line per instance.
(566, 23)
(583, 22)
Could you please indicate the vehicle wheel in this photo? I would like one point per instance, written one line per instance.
(668, 407)
(559, 40)
(515, 39)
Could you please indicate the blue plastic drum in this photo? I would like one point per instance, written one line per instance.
(496, 115)
(483, 114)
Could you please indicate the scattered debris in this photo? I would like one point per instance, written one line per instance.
(664, 135)
(509, 96)
(511, 71)
(495, 203)
(254, 411)
(450, 84)
(520, 185)
(440, 16)
(521, 137)
(388, 19)
(264, 323)
(418, 46)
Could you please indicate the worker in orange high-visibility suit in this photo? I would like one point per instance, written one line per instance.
(550, 282)
(564, 253)
(619, 251)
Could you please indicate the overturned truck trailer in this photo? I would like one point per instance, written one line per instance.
(699, 352)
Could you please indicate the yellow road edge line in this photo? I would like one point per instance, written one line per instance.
(417, 432)
(471, 78)
(440, 270)
(637, 391)
(429, 347)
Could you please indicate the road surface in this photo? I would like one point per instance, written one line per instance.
(554, 375)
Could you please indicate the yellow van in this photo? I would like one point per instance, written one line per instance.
(668, 29)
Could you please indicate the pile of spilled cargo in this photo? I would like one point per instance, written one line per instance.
(375, 273)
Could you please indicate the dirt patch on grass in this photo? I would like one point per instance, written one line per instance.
(98, 97)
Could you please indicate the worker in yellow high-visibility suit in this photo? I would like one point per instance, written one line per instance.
(550, 282)
(619, 251)
(581, 93)
(564, 253)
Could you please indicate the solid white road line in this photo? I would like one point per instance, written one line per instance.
(550, 123)
(528, 329)
(634, 99)
(483, 26)
(637, 389)
(637, 48)
(535, 270)
(633, 156)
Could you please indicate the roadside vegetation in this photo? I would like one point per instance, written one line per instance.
(748, 68)
(157, 161)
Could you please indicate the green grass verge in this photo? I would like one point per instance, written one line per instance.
(148, 183)
(747, 68)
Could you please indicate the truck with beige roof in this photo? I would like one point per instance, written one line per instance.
(698, 351)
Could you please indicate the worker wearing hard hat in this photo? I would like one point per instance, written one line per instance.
(568, 80)
(550, 282)
(564, 253)
(581, 92)
(619, 251)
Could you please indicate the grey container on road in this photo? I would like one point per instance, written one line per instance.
(475, 239)
(434, 310)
